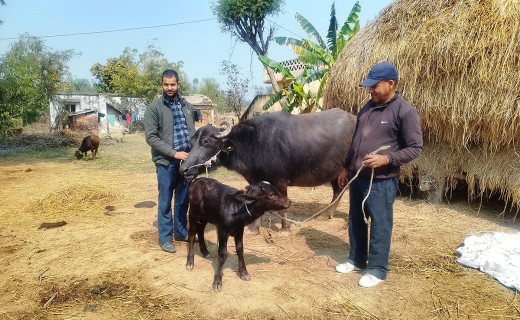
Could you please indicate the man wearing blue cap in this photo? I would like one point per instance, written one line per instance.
(386, 120)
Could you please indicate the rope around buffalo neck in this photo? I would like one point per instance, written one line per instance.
(299, 223)
(206, 164)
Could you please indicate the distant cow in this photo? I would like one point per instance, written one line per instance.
(89, 143)
(287, 150)
(230, 210)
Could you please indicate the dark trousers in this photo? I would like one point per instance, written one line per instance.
(379, 207)
(171, 182)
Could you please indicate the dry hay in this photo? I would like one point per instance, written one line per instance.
(120, 293)
(485, 173)
(58, 139)
(78, 199)
(459, 64)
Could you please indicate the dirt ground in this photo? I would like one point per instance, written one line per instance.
(77, 242)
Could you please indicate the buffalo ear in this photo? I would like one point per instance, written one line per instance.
(227, 145)
(245, 198)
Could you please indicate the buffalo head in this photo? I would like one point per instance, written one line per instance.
(207, 143)
(78, 154)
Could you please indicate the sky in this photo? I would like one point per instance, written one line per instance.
(183, 30)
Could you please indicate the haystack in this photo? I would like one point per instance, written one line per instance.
(459, 64)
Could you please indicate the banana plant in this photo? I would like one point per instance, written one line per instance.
(296, 94)
(321, 55)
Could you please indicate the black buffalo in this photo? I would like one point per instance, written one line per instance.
(287, 150)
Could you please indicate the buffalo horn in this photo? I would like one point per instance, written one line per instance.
(226, 131)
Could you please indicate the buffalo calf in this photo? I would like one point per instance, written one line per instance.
(89, 143)
(229, 210)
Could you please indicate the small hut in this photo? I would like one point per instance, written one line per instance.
(85, 121)
(459, 64)
(204, 106)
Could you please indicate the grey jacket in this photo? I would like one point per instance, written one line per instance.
(158, 128)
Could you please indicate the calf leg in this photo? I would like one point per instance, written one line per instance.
(222, 256)
(191, 240)
(202, 243)
(239, 244)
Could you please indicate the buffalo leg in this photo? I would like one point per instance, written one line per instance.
(239, 244)
(254, 227)
(285, 226)
(222, 256)
(336, 191)
(202, 242)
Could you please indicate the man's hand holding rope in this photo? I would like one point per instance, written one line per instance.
(370, 161)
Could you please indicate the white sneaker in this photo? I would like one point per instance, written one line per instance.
(369, 280)
(346, 267)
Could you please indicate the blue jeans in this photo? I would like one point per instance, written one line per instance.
(379, 207)
(170, 182)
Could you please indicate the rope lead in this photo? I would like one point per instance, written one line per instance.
(299, 223)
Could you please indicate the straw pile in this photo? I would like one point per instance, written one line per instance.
(486, 174)
(118, 293)
(76, 199)
(58, 139)
(459, 64)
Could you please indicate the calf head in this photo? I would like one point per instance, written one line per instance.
(78, 154)
(263, 196)
(206, 144)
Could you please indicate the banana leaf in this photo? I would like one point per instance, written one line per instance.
(275, 98)
(311, 31)
(276, 66)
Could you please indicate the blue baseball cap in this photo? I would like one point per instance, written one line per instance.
(381, 71)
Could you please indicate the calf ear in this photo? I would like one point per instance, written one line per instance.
(245, 198)
(227, 145)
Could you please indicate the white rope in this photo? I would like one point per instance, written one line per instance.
(247, 209)
(368, 193)
(206, 164)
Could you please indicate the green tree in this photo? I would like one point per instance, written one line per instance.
(211, 89)
(2, 2)
(245, 19)
(137, 75)
(30, 75)
(319, 57)
(195, 85)
(73, 85)
(234, 96)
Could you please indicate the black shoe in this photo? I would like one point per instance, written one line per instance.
(168, 247)
(186, 239)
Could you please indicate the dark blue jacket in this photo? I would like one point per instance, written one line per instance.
(396, 124)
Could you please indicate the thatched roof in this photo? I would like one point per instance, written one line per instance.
(459, 64)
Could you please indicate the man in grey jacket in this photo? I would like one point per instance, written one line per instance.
(386, 120)
(169, 126)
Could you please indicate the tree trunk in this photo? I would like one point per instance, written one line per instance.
(272, 76)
